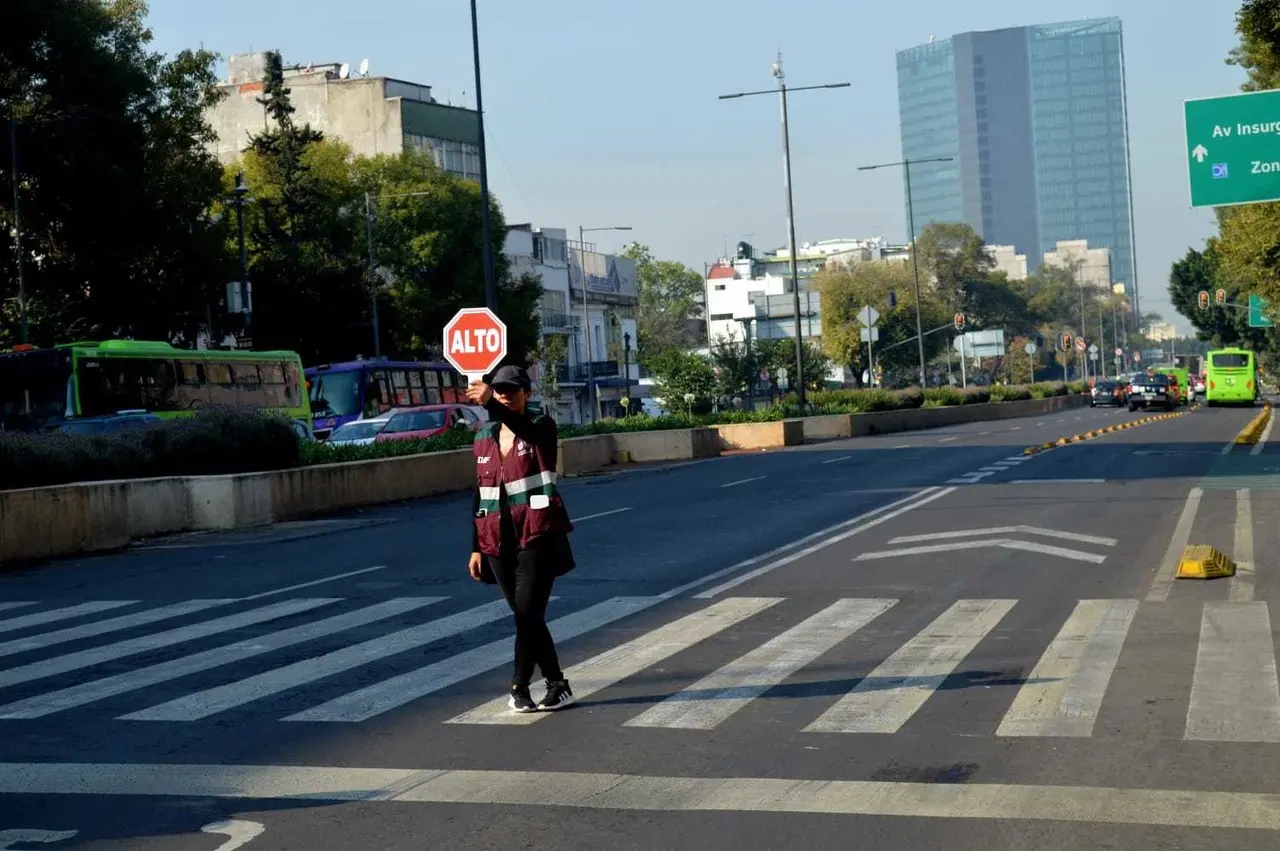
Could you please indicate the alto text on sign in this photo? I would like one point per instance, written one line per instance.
(475, 341)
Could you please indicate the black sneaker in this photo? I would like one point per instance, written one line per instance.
(521, 700)
(559, 695)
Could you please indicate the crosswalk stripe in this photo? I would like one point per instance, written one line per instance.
(1235, 696)
(156, 641)
(1064, 691)
(211, 701)
(888, 697)
(75, 633)
(127, 681)
(717, 696)
(631, 658)
(389, 694)
(100, 689)
(42, 618)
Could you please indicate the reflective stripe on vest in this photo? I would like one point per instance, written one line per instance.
(489, 500)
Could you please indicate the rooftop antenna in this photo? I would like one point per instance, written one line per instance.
(344, 71)
(364, 67)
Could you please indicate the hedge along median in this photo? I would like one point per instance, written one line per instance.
(212, 494)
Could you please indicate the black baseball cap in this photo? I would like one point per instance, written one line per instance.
(511, 376)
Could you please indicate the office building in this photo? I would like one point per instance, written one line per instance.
(608, 311)
(1035, 119)
(373, 115)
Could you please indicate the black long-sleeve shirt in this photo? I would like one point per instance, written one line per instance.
(541, 432)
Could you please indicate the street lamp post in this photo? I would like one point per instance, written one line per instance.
(586, 319)
(915, 262)
(239, 193)
(791, 220)
(17, 225)
(490, 282)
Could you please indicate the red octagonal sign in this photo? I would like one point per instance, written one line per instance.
(475, 341)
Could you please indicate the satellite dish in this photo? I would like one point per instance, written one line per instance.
(364, 67)
(344, 71)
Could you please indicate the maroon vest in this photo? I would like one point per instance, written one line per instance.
(530, 481)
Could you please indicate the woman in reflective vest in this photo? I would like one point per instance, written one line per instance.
(521, 534)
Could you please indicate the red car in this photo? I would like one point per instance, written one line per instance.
(427, 421)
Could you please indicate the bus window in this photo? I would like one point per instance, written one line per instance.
(377, 394)
(190, 392)
(1230, 360)
(417, 389)
(400, 383)
(116, 384)
(335, 394)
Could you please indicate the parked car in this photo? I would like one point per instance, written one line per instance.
(358, 432)
(428, 421)
(119, 421)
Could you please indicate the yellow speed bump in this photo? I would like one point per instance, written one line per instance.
(1203, 562)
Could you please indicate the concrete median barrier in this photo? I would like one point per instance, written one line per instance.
(41, 523)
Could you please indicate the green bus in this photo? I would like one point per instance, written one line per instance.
(1231, 377)
(40, 388)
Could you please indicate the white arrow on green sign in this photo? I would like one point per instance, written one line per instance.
(1233, 149)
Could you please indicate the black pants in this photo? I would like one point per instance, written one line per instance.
(526, 577)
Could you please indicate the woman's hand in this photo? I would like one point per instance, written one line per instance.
(479, 393)
(473, 566)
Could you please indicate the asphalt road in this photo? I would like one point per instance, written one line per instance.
(916, 640)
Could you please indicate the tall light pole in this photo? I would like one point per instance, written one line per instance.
(586, 320)
(791, 220)
(370, 216)
(239, 194)
(911, 225)
(17, 225)
(490, 282)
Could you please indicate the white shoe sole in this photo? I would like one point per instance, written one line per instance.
(512, 704)
(568, 701)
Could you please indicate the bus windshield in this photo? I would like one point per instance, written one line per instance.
(1230, 360)
(336, 394)
(35, 390)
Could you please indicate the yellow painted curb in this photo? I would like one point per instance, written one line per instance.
(1203, 562)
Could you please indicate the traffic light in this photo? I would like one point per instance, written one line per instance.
(1039, 341)
(959, 321)
(893, 299)
(1064, 342)
(1204, 299)
(1221, 296)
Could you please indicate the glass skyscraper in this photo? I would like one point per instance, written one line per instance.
(1035, 118)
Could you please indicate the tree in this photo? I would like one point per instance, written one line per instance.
(1222, 326)
(428, 238)
(114, 175)
(668, 295)
(551, 354)
(779, 354)
(846, 288)
(685, 382)
(737, 365)
(1248, 243)
(954, 256)
(304, 227)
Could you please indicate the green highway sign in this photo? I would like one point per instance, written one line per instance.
(1233, 148)
(1258, 312)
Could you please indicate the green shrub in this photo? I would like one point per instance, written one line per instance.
(943, 397)
(1010, 393)
(213, 442)
(323, 453)
(975, 396)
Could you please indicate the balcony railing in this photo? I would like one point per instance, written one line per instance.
(553, 322)
(578, 372)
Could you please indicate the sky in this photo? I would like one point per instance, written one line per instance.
(602, 112)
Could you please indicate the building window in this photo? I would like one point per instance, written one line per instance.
(719, 286)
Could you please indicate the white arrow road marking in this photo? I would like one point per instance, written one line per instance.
(8, 838)
(1007, 530)
(240, 831)
(987, 543)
